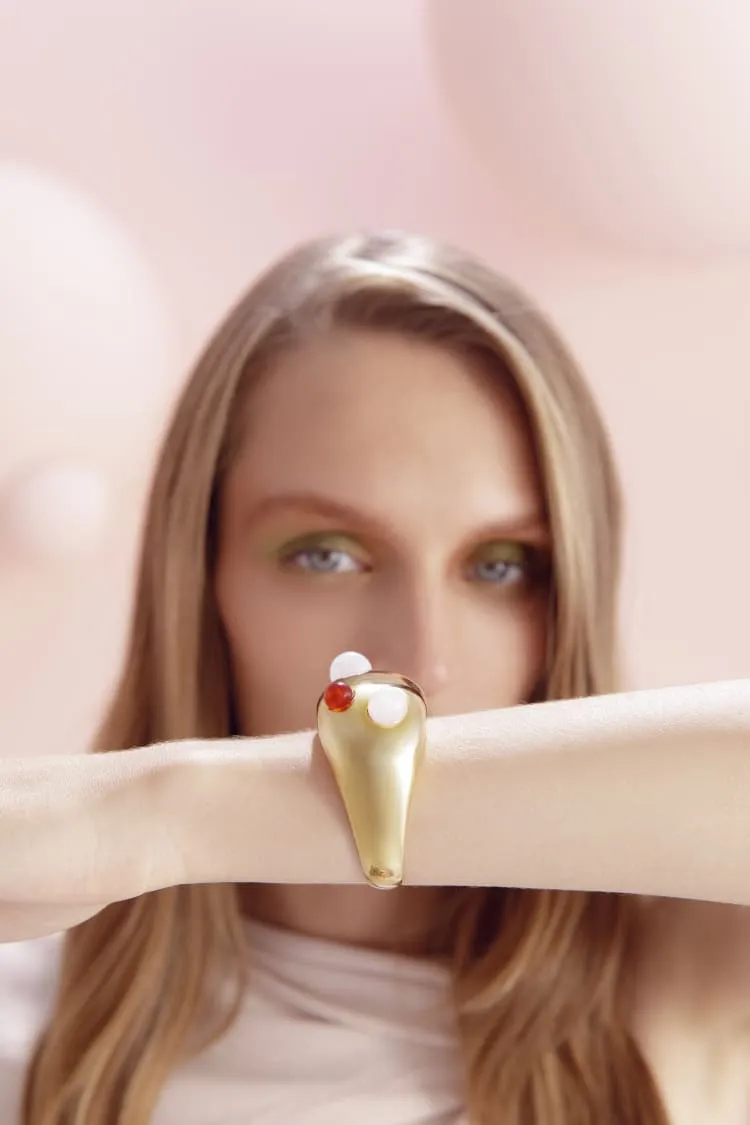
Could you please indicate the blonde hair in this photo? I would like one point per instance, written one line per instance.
(542, 978)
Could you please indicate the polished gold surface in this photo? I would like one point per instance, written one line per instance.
(375, 769)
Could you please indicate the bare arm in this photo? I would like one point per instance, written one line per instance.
(647, 792)
(80, 831)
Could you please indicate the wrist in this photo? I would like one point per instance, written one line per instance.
(260, 810)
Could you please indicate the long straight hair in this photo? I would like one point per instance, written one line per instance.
(542, 978)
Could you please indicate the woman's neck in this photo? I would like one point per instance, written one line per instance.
(401, 920)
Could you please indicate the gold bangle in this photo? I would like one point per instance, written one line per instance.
(371, 727)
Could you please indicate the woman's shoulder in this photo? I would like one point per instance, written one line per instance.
(28, 972)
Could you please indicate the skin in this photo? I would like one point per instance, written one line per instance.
(385, 500)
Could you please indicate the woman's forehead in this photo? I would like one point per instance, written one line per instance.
(356, 397)
(385, 423)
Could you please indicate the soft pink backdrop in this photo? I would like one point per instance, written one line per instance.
(210, 136)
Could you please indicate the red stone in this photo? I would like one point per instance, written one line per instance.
(338, 697)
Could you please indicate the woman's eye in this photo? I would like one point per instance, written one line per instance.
(322, 560)
(510, 564)
(500, 571)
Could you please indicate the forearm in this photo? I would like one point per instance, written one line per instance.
(647, 792)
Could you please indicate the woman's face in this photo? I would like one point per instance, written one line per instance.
(386, 500)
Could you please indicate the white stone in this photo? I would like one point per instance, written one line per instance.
(349, 664)
(388, 706)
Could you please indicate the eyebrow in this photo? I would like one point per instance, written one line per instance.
(530, 523)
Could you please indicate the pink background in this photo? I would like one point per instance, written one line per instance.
(198, 140)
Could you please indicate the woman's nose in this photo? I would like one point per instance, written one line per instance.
(410, 636)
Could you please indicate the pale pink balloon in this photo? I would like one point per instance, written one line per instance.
(55, 510)
(86, 349)
(629, 121)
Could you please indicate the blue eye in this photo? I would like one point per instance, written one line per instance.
(501, 572)
(323, 560)
(509, 564)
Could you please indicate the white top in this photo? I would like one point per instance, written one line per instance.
(333, 1035)
(328, 1035)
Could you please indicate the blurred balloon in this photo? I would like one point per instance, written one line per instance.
(53, 510)
(86, 351)
(630, 121)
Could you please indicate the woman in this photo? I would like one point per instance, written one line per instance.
(384, 448)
